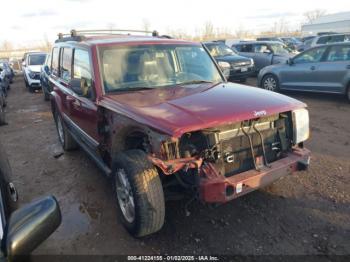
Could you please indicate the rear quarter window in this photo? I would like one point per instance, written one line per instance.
(55, 61)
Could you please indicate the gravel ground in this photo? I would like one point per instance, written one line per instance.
(304, 214)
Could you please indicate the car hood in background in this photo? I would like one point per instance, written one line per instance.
(35, 68)
(232, 58)
(177, 110)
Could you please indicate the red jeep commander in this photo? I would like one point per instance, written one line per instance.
(158, 116)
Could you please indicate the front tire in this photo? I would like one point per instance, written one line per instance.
(67, 141)
(139, 193)
(2, 114)
(270, 82)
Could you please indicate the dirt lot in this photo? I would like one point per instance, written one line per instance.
(304, 214)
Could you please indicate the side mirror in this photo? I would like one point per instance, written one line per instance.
(75, 85)
(225, 68)
(289, 61)
(30, 225)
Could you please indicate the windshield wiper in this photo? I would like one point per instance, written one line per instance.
(194, 82)
(125, 89)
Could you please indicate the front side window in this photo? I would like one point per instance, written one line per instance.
(37, 59)
(246, 48)
(310, 56)
(323, 40)
(82, 71)
(261, 48)
(66, 64)
(339, 53)
(152, 66)
(55, 61)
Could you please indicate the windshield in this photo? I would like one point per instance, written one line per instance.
(279, 49)
(219, 50)
(36, 59)
(151, 66)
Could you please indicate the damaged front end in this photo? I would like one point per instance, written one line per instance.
(227, 161)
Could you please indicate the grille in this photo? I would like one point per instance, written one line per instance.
(240, 64)
(37, 76)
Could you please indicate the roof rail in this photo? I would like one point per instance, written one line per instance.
(80, 35)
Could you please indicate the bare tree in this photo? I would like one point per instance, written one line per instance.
(311, 16)
(208, 31)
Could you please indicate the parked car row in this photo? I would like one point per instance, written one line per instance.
(324, 68)
(159, 119)
(32, 63)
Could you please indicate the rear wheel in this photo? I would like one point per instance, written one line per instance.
(138, 193)
(67, 141)
(270, 82)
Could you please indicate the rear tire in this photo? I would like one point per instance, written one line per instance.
(270, 82)
(139, 193)
(67, 141)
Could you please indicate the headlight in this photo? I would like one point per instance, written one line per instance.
(251, 61)
(31, 74)
(225, 68)
(300, 125)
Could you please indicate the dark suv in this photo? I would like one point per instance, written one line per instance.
(158, 117)
(240, 67)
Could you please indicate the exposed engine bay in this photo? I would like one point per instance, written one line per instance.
(238, 147)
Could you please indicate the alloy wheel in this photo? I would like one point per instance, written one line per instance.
(125, 195)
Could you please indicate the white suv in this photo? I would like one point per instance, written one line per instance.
(32, 63)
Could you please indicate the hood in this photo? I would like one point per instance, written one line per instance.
(34, 68)
(177, 110)
(232, 58)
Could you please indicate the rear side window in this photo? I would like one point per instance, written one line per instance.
(336, 39)
(55, 62)
(339, 53)
(66, 64)
(82, 70)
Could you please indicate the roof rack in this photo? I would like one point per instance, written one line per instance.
(80, 35)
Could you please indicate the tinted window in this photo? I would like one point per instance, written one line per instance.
(323, 40)
(54, 63)
(336, 39)
(310, 56)
(246, 48)
(66, 64)
(339, 53)
(82, 70)
(36, 59)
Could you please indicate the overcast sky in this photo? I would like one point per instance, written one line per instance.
(25, 22)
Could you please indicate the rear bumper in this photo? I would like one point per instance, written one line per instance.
(215, 188)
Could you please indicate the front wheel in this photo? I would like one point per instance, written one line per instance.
(348, 93)
(2, 114)
(270, 82)
(138, 193)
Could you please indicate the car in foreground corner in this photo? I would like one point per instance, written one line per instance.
(31, 69)
(23, 229)
(240, 67)
(323, 69)
(158, 117)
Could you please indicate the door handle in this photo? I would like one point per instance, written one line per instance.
(313, 67)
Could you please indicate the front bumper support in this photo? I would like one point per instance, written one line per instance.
(216, 188)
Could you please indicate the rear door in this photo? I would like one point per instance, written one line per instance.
(330, 74)
(300, 75)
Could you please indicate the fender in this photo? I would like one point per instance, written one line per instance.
(56, 101)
